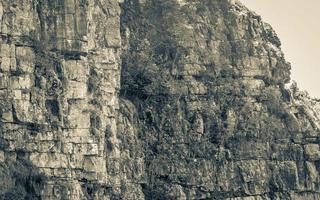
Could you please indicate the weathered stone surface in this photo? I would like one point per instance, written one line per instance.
(208, 80)
(47, 49)
(50, 160)
(2, 158)
(202, 109)
(312, 151)
(25, 59)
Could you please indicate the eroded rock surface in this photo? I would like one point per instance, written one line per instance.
(148, 99)
(60, 77)
(208, 79)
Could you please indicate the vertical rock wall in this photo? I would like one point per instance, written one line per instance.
(208, 80)
(203, 110)
(58, 94)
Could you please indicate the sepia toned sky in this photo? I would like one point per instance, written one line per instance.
(297, 23)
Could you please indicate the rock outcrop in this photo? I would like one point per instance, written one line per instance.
(148, 99)
(60, 77)
(208, 79)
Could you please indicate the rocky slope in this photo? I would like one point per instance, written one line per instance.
(147, 99)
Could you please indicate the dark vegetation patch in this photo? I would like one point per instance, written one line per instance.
(20, 179)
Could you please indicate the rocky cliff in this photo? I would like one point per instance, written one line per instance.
(60, 77)
(147, 99)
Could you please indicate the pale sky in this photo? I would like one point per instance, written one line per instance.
(297, 23)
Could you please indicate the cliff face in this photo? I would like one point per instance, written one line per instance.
(202, 111)
(59, 85)
(208, 80)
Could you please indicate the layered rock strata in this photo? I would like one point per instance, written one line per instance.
(147, 99)
(59, 98)
(208, 79)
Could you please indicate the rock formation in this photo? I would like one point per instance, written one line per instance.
(60, 77)
(148, 99)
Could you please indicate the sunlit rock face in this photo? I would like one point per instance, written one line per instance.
(148, 99)
(60, 78)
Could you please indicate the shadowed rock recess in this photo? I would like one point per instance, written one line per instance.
(150, 99)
